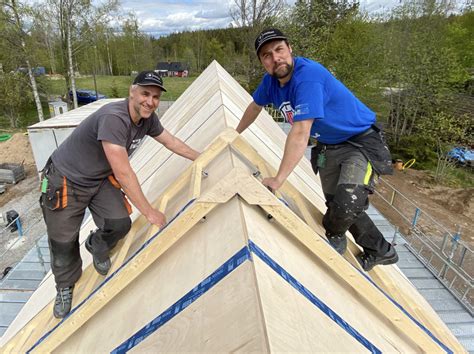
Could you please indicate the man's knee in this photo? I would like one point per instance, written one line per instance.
(64, 254)
(117, 227)
(345, 207)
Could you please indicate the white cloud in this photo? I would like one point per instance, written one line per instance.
(166, 16)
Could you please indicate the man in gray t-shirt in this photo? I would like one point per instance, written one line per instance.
(90, 169)
(81, 158)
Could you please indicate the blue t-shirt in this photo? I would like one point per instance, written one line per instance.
(314, 93)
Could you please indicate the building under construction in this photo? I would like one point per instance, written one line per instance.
(237, 268)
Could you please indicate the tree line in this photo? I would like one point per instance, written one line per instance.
(413, 64)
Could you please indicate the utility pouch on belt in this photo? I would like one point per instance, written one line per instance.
(53, 195)
(318, 157)
(375, 149)
(117, 185)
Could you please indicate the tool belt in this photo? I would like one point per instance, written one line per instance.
(54, 188)
(373, 146)
(371, 143)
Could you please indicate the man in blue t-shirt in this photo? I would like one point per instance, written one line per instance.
(350, 151)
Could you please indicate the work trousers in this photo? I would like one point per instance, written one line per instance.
(64, 204)
(347, 179)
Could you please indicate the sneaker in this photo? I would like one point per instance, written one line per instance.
(101, 267)
(368, 261)
(63, 302)
(338, 242)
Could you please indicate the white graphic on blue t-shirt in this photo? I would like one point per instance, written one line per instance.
(287, 111)
(302, 109)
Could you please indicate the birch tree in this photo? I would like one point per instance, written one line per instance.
(17, 36)
(251, 13)
(70, 16)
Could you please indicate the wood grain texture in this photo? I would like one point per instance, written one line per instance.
(225, 319)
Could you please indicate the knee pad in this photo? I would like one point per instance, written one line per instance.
(348, 203)
(117, 228)
(64, 254)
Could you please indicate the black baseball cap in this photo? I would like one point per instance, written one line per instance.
(149, 78)
(268, 35)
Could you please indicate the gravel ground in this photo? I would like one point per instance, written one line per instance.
(25, 202)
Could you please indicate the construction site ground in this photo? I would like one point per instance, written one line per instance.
(448, 206)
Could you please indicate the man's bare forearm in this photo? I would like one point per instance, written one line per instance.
(129, 183)
(124, 174)
(182, 149)
(249, 116)
(295, 147)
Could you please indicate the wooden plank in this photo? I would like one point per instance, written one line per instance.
(192, 173)
(394, 283)
(250, 153)
(195, 190)
(124, 245)
(242, 183)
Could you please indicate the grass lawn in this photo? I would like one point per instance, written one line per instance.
(111, 86)
(117, 86)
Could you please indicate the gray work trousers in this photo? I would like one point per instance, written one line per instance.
(64, 204)
(347, 179)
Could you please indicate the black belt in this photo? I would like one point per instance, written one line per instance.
(364, 133)
(354, 137)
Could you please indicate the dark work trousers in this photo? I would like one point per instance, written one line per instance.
(63, 222)
(347, 179)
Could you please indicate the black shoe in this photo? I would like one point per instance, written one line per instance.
(101, 267)
(368, 261)
(338, 242)
(63, 302)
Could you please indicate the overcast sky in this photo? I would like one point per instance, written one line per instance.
(161, 17)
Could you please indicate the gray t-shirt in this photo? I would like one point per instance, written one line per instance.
(81, 157)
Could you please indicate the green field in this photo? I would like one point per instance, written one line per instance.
(111, 86)
(117, 86)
